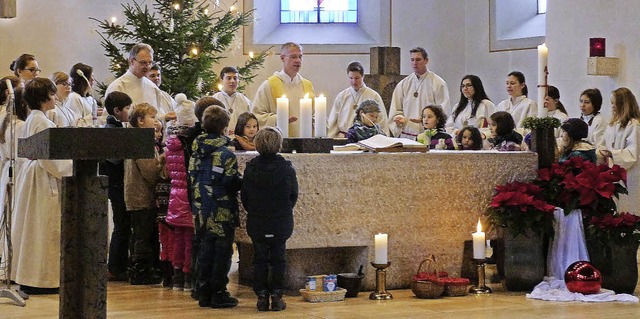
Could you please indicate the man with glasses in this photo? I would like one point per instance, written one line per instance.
(287, 82)
(413, 93)
(142, 90)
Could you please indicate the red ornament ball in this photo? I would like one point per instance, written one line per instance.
(583, 277)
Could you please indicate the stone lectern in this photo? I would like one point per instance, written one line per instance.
(83, 247)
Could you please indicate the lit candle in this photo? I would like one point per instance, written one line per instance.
(478, 243)
(250, 54)
(543, 54)
(305, 116)
(380, 249)
(282, 115)
(321, 116)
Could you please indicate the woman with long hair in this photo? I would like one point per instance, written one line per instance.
(474, 107)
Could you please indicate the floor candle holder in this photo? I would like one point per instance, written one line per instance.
(381, 282)
(480, 287)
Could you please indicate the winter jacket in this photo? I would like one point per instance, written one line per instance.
(179, 211)
(215, 182)
(269, 193)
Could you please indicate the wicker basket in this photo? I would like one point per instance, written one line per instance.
(425, 289)
(455, 291)
(323, 296)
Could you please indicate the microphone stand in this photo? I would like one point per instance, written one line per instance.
(7, 292)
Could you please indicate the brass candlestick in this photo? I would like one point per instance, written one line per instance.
(480, 287)
(381, 282)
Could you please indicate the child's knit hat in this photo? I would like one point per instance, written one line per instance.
(185, 111)
(576, 128)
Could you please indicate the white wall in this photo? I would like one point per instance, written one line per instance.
(570, 24)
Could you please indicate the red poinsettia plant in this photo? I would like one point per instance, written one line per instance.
(520, 207)
(578, 183)
(619, 228)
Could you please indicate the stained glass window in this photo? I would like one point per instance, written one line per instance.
(318, 11)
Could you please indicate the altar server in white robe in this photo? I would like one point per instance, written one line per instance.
(164, 109)
(518, 104)
(80, 101)
(474, 107)
(62, 116)
(287, 82)
(343, 111)
(234, 102)
(36, 227)
(620, 144)
(142, 90)
(590, 104)
(554, 107)
(413, 93)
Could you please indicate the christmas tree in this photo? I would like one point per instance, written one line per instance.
(188, 38)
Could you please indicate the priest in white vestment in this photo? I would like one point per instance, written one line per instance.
(413, 93)
(343, 111)
(37, 210)
(287, 82)
(139, 88)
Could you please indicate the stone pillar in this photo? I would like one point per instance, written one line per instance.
(385, 72)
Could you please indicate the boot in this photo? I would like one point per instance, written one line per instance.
(187, 282)
(277, 303)
(263, 301)
(178, 279)
(222, 299)
(142, 275)
(204, 296)
(167, 274)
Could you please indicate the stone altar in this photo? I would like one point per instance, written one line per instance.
(428, 203)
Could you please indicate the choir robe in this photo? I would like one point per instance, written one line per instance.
(5, 150)
(264, 105)
(235, 104)
(143, 90)
(485, 109)
(597, 125)
(37, 214)
(343, 114)
(623, 145)
(431, 89)
(84, 108)
(61, 115)
(521, 109)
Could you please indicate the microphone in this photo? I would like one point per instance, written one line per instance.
(9, 87)
(94, 113)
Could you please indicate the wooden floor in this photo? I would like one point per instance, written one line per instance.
(126, 301)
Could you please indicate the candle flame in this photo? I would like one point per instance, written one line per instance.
(306, 96)
(251, 54)
(114, 19)
(479, 226)
(284, 96)
(194, 51)
(232, 8)
(321, 95)
(206, 11)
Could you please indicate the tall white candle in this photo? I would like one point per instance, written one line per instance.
(543, 54)
(305, 117)
(381, 249)
(321, 116)
(282, 115)
(478, 243)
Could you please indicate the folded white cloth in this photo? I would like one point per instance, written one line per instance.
(553, 289)
(569, 244)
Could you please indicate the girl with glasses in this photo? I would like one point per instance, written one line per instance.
(474, 107)
(25, 67)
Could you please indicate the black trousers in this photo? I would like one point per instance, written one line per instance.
(269, 252)
(146, 246)
(119, 246)
(214, 263)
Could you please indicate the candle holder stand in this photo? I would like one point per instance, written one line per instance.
(381, 282)
(480, 287)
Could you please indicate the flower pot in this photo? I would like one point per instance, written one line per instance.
(521, 260)
(617, 263)
(543, 142)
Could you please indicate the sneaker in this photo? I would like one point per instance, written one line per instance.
(187, 282)
(263, 301)
(222, 299)
(277, 303)
(178, 279)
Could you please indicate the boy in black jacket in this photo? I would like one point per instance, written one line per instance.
(269, 193)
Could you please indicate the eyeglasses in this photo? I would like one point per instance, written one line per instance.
(144, 63)
(34, 70)
(466, 86)
(65, 83)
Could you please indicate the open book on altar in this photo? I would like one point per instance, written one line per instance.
(381, 143)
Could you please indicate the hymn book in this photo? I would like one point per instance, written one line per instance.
(381, 143)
